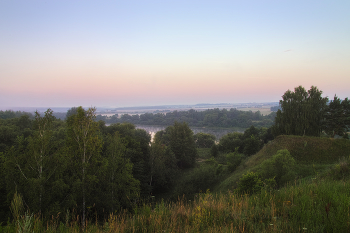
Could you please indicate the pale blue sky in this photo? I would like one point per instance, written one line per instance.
(127, 53)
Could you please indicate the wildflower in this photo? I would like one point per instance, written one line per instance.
(304, 228)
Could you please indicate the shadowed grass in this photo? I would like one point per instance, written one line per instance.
(291, 209)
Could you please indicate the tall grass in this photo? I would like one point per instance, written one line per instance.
(316, 206)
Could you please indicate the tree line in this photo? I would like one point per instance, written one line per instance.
(208, 118)
(308, 113)
(83, 165)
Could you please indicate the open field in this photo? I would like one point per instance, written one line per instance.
(264, 108)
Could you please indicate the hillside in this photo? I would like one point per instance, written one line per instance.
(312, 154)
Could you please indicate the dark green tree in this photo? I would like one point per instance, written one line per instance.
(179, 137)
(302, 112)
(163, 168)
(84, 145)
(204, 140)
(117, 187)
(231, 141)
(214, 151)
(251, 145)
(40, 162)
(182, 144)
(336, 118)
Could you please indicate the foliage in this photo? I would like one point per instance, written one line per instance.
(280, 167)
(337, 117)
(179, 138)
(231, 141)
(117, 187)
(8, 114)
(311, 154)
(84, 147)
(204, 140)
(250, 183)
(302, 112)
(209, 118)
(247, 143)
(340, 171)
(198, 180)
(163, 168)
(214, 151)
(318, 206)
(233, 159)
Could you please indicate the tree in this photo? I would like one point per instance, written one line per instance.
(40, 162)
(334, 123)
(280, 167)
(163, 168)
(302, 112)
(84, 145)
(180, 139)
(204, 140)
(117, 186)
(251, 145)
(231, 141)
(346, 107)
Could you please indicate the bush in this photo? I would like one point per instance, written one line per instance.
(280, 166)
(233, 160)
(251, 146)
(250, 183)
(340, 171)
(199, 179)
(214, 151)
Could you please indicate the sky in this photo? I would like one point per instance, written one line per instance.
(58, 53)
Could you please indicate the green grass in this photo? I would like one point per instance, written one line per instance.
(312, 154)
(308, 206)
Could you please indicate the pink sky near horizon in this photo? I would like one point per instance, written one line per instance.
(55, 54)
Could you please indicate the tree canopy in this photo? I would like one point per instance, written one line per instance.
(302, 112)
(337, 117)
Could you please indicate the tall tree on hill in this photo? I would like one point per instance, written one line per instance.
(346, 106)
(302, 112)
(337, 117)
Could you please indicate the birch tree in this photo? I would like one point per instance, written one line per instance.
(84, 145)
(34, 161)
(121, 184)
(41, 150)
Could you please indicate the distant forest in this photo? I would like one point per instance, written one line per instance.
(208, 118)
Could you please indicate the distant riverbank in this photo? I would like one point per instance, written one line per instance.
(217, 132)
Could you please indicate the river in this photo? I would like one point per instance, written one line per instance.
(217, 132)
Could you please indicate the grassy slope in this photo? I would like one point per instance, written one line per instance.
(312, 155)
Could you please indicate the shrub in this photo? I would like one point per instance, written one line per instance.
(201, 178)
(250, 183)
(214, 151)
(233, 160)
(341, 170)
(280, 166)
